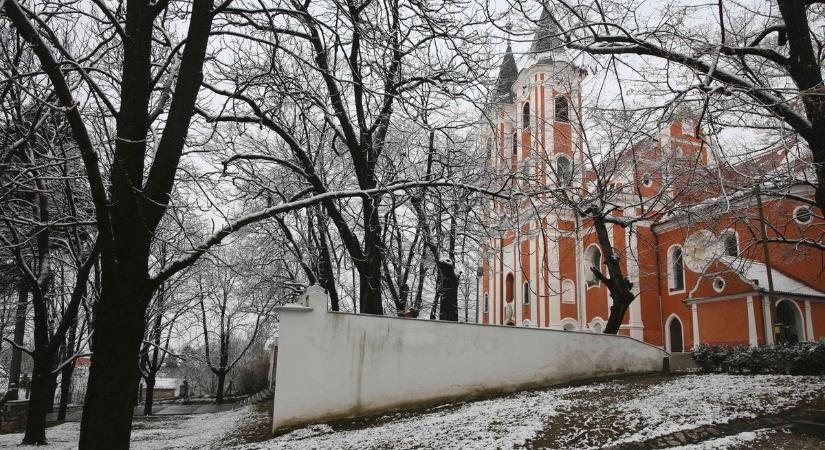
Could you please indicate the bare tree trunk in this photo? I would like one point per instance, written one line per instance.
(52, 389)
(449, 292)
(326, 277)
(221, 380)
(19, 335)
(65, 390)
(38, 401)
(619, 286)
(114, 374)
(369, 270)
(806, 71)
(67, 371)
(150, 394)
(419, 291)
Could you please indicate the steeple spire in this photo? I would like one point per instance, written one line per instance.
(547, 38)
(507, 73)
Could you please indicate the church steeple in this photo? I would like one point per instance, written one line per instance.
(547, 38)
(507, 74)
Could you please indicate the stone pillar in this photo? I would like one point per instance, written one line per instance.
(767, 320)
(555, 284)
(694, 314)
(809, 322)
(753, 338)
(637, 328)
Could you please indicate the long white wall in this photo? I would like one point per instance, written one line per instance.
(337, 365)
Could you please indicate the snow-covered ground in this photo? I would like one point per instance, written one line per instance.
(200, 431)
(588, 416)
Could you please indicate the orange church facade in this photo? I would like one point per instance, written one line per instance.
(714, 278)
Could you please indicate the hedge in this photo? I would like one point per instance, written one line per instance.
(802, 358)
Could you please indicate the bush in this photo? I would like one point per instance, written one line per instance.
(802, 358)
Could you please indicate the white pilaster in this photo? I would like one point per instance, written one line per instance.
(555, 285)
(535, 298)
(637, 328)
(753, 339)
(538, 277)
(694, 314)
(768, 321)
(809, 322)
(515, 261)
(494, 271)
(491, 287)
(581, 297)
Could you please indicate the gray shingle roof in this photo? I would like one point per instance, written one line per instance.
(507, 74)
(547, 37)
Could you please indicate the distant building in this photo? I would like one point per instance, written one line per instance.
(164, 388)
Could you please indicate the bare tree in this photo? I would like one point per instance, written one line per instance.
(232, 313)
(315, 87)
(128, 91)
(754, 66)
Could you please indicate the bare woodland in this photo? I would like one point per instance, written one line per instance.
(172, 171)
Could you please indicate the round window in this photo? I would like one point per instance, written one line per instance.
(647, 180)
(718, 284)
(803, 215)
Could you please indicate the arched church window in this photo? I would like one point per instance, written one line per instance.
(677, 269)
(486, 302)
(592, 258)
(564, 170)
(562, 109)
(525, 116)
(731, 243)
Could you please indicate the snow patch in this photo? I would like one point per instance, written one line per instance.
(728, 441)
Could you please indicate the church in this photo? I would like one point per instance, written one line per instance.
(704, 266)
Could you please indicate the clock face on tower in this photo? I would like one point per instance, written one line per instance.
(702, 248)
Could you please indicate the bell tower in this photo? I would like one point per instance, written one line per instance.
(548, 99)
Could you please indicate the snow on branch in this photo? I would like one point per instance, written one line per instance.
(263, 214)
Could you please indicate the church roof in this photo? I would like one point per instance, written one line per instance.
(547, 37)
(756, 273)
(507, 74)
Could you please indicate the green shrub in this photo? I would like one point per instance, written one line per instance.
(703, 357)
(803, 358)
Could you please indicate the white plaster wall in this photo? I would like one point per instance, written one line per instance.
(338, 365)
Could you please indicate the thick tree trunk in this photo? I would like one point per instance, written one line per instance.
(449, 292)
(369, 277)
(65, 390)
(150, 394)
(327, 275)
(114, 374)
(51, 393)
(614, 322)
(67, 371)
(19, 335)
(804, 68)
(221, 380)
(38, 402)
(369, 270)
(621, 289)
